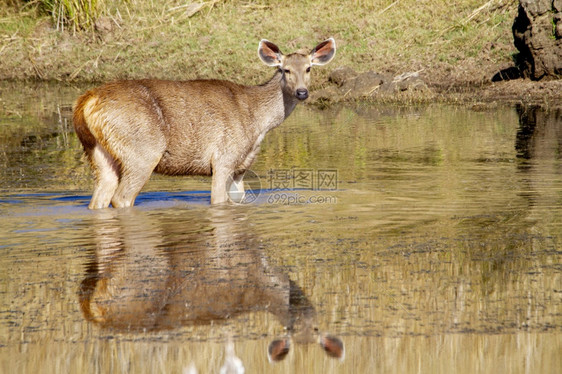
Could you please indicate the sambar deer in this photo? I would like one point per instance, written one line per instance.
(200, 127)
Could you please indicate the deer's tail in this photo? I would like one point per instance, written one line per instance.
(82, 108)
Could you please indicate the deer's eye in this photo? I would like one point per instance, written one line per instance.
(308, 69)
(287, 71)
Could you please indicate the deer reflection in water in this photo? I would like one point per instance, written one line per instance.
(218, 271)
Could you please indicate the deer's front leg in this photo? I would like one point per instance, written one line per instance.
(219, 191)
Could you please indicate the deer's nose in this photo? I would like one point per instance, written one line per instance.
(302, 93)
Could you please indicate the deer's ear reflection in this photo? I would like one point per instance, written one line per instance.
(278, 350)
(333, 346)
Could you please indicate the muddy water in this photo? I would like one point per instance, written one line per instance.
(402, 240)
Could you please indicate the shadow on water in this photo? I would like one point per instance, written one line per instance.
(149, 275)
(539, 134)
(538, 146)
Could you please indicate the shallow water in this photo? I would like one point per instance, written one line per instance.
(406, 240)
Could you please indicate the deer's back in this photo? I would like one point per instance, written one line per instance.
(197, 118)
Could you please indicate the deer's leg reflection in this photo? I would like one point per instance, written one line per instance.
(226, 276)
(137, 281)
(125, 287)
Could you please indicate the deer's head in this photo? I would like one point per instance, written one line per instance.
(295, 67)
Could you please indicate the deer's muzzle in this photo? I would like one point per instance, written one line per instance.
(302, 93)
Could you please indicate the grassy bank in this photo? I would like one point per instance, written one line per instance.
(463, 41)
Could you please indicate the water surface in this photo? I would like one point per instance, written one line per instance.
(418, 239)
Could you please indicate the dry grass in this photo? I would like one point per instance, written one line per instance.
(179, 40)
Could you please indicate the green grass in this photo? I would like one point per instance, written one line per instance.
(66, 15)
(160, 39)
(72, 14)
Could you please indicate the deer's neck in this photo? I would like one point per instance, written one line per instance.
(276, 103)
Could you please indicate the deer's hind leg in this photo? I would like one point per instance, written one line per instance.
(131, 183)
(106, 174)
(137, 165)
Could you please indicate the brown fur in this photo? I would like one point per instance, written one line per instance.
(202, 127)
(84, 134)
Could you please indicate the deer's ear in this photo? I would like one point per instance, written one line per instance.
(333, 346)
(278, 349)
(323, 52)
(269, 53)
